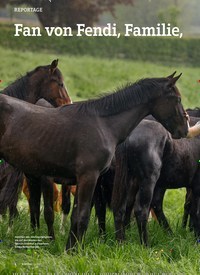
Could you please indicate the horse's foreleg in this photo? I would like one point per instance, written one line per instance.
(48, 190)
(85, 195)
(34, 187)
(82, 208)
(72, 239)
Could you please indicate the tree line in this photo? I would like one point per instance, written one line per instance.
(67, 12)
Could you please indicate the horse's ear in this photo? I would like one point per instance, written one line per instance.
(173, 80)
(171, 75)
(53, 65)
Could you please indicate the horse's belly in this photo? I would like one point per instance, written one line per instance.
(39, 161)
(175, 178)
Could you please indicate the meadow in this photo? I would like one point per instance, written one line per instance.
(87, 77)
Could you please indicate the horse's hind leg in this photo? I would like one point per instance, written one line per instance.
(34, 187)
(133, 189)
(142, 206)
(195, 215)
(187, 207)
(13, 212)
(47, 190)
(122, 203)
(157, 205)
(66, 204)
(195, 205)
(119, 200)
(100, 207)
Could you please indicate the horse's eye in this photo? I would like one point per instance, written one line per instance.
(179, 100)
(61, 85)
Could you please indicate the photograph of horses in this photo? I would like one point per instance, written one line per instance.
(99, 137)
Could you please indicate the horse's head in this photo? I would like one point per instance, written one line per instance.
(50, 84)
(168, 110)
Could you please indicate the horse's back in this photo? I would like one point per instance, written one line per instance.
(57, 139)
(147, 138)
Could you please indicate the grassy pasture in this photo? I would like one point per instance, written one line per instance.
(168, 254)
(87, 77)
(168, 50)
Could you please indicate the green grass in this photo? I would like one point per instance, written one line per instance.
(177, 253)
(160, 50)
(87, 77)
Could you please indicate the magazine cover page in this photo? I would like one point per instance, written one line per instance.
(99, 137)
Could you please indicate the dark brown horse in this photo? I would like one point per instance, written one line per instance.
(147, 165)
(189, 196)
(79, 140)
(44, 82)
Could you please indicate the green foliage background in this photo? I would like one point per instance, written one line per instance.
(155, 49)
(181, 13)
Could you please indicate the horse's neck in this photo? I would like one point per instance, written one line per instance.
(20, 90)
(13, 93)
(122, 124)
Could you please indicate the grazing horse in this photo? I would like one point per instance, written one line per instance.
(78, 141)
(44, 82)
(148, 164)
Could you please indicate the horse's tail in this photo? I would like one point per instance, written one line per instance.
(11, 182)
(119, 194)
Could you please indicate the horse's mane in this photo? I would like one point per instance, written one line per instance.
(125, 98)
(18, 88)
